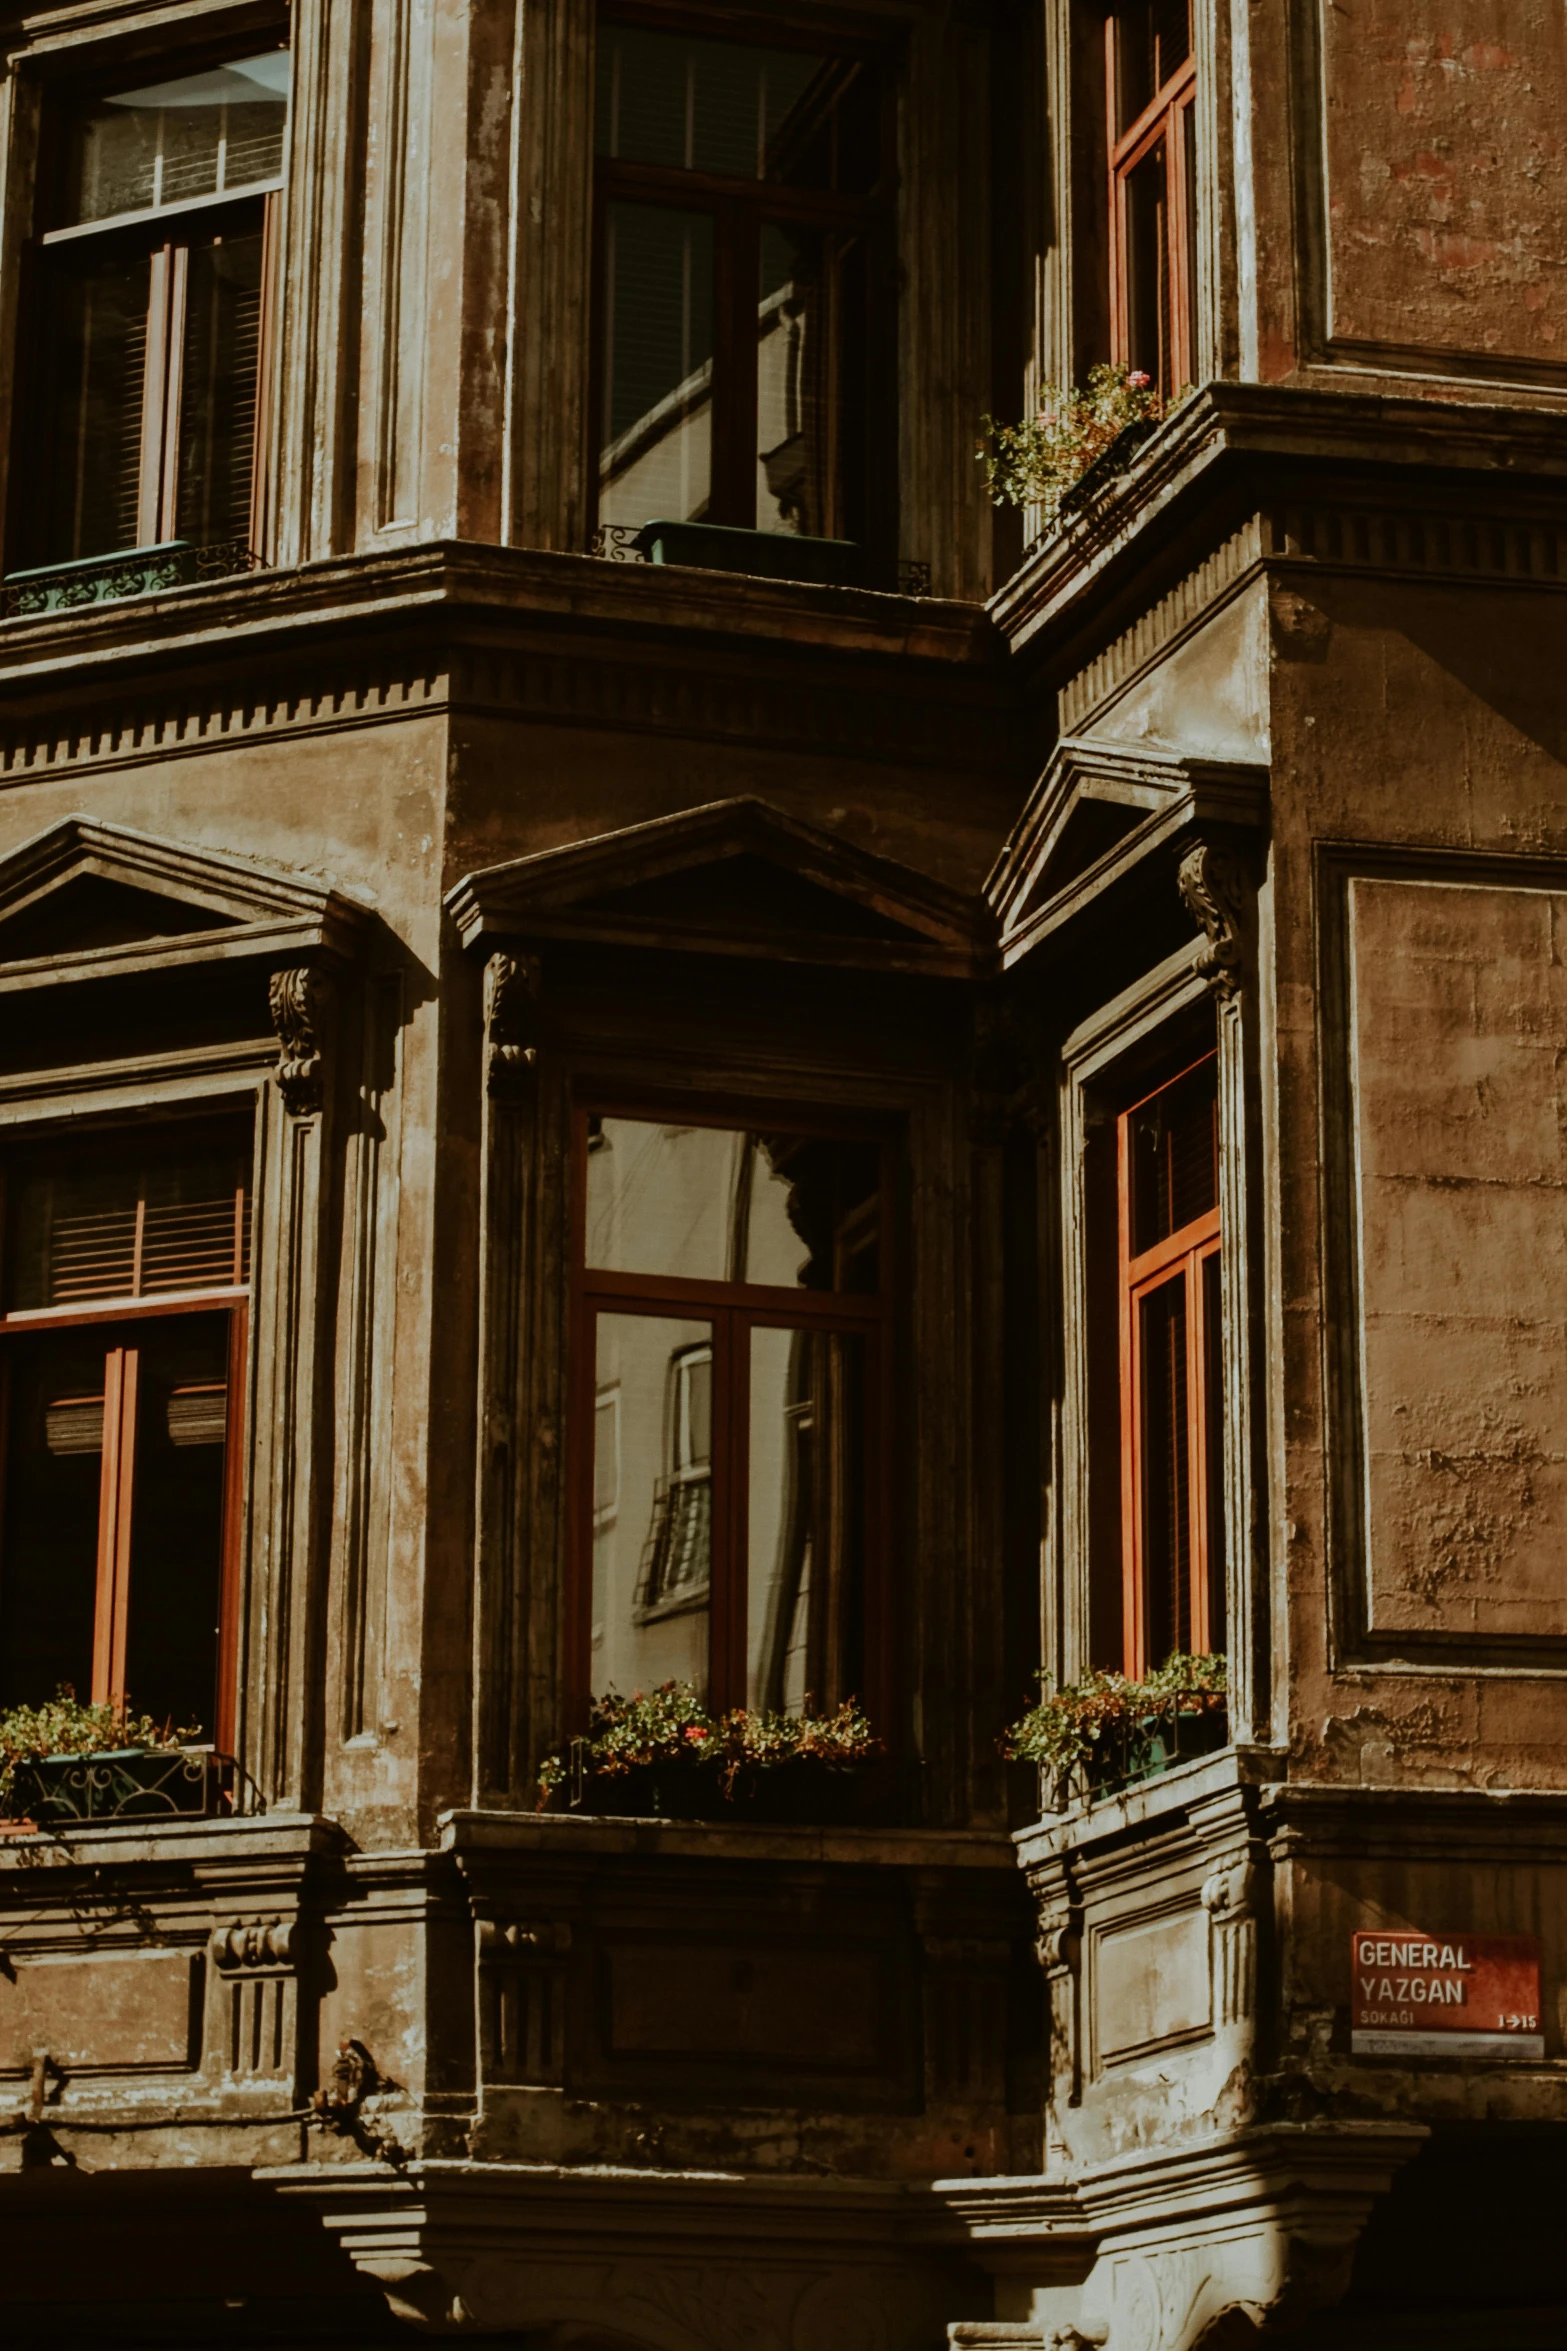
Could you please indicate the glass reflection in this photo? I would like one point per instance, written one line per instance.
(809, 381)
(655, 454)
(652, 1501)
(202, 134)
(805, 1569)
(721, 1204)
(710, 106)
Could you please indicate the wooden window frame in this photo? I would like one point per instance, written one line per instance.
(734, 1310)
(739, 209)
(116, 1498)
(168, 232)
(1164, 120)
(1180, 1258)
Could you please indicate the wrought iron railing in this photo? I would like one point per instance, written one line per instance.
(109, 579)
(622, 542)
(131, 1783)
(1141, 1747)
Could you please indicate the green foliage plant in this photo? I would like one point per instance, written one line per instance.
(64, 1725)
(1036, 462)
(1076, 1732)
(670, 1729)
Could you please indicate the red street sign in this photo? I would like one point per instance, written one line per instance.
(1444, 1995)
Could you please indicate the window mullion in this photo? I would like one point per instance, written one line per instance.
(115, 1505)
(174, 381)
(1194, 1631)
(154, 408)
(731, 1505)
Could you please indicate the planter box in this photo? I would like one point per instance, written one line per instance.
(1155, 1744)
(814, 1797)
(773, 555)
(123, 1783)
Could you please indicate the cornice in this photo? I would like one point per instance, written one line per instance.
(492, 632)
(654, 601)
(1286, 451)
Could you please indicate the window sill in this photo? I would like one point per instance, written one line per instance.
(1149, 1802)
(476, 1834)
(109, 579)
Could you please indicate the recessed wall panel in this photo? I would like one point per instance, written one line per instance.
(1445, 154)
(1458, 1109)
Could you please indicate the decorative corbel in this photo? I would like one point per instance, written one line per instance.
(1213, 890)
(511, 1003)
(295, 998)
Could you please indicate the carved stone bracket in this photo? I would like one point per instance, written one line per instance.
(1230, 1896)
(1213, 890)
(522, 1999)
(511, 1001)
(253, 2007)
(295, 997)
(253, 1944)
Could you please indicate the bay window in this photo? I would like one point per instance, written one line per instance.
(122, 1377)
(730, 1341)
(149, 296)
(743, 211)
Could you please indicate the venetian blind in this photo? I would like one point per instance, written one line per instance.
(129, 1216)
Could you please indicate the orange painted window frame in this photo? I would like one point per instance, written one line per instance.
(1164, 120)
(117, 1483)
(1180, 1258)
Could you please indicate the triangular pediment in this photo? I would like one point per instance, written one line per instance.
(87, 898)
(738, 877)
(1099, 812)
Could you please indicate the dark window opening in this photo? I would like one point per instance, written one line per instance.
(1172, 1476)
(743, 219)
(151, 286)
(122, 1368)
(1153, 191)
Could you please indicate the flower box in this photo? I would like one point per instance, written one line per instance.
(122, 1783)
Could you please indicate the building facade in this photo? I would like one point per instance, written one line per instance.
(660, 1046)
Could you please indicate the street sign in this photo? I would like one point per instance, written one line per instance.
(1452, 1995)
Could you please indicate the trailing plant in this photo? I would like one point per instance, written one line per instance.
(64, 1725)
(1037, 462)
(1090, 1729)
(672, 1730)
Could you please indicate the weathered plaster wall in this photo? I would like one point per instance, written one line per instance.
(1419, 1315)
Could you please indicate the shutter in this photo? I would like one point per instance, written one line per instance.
(102, 1221)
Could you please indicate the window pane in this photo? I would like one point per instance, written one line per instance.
(135, 1215)
(712, 106)
(806, 1543)
(652, 1502)
(98, 337)
(1153, 42)
(655, 454)
(721, 1204)
(1175, 1157)
(1212, 1634)
(196, 135)
(49, 1562)
(1148, 268)
(810, 382)
(1166, 1498)
(218, 389)
(171, 1651)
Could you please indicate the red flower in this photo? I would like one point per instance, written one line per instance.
(1137, 381)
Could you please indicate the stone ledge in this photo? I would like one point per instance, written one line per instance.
(551, 1834)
